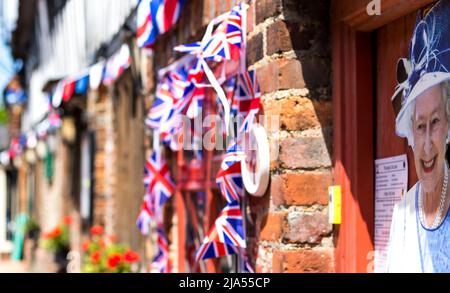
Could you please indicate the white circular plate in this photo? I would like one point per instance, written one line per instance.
(256, 165)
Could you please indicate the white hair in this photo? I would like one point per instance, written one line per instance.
(445, 86)
(446, 97)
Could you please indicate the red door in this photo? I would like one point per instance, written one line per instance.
(392, 41)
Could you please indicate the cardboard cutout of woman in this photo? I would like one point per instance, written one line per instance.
(420, 229)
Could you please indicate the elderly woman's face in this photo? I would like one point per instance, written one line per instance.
(430, 127)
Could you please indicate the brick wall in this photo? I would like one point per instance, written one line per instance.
(102, 122)
(288, 45)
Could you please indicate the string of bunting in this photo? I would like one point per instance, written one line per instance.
(104, 72)
(218, 62)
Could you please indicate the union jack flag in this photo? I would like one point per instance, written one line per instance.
(157, 179)
(155, 17)
(229, 178)
(145, 33)
(229, 88)
(161, 263)
(248, 99)
(248, 267)
(214, 249)
(116, 65)
(54, 120)
(82, 84)
(163, 107)
(227, 230)
(165, 14)
(175, 95)
(145, 216)
(224, 43)
(68, 89)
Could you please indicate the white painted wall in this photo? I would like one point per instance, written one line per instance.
(5, 246)
(80, 29)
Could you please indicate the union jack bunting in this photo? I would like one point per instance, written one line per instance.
(15, 148)
(174, 94)
(248, 267)
(68, 89)
(227, 230)
(224, 43)
(163, 107)
(193, 109)
(233, 155)
(145, 216)
(196, 73)
(229, 88)
(145, 33)
(249, 119)
(229, 225)
(165, 14)
(229, 178)
(173, 130)
(248, 99)
(54, 120)
(82, 84)
(77, 85)
(161, 263)
(155, 17)
(214, 249)
(157, 179)
(116, 65)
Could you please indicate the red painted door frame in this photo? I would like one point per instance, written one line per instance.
(353, 146)
(353, 107)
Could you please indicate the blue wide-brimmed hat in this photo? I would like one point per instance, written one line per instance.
(428, 64)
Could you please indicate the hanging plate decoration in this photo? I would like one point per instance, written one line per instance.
(256, 165)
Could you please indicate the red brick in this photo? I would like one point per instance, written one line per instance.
(267, 77)
(301, 189)
(290, 74)
(306, 228)
(251, 17)
(255, 49)
(273, 227)
(267, 8)
(303, 261)
(285, 36)
(280, 74)
(300, 113)
(310, 152)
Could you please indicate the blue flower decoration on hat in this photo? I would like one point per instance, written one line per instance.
(429, 62)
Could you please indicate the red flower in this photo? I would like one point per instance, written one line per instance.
(101, 243)
(95, 257)
(112, 238)
(56, 232)
(67, 220)
(85, 245)
(113, 260)
(131, 256)
(97, 230)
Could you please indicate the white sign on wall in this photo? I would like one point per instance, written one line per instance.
(391, 183)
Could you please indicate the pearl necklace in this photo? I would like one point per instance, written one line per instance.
(438, 217)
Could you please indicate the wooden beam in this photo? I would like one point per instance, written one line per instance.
(354, 12)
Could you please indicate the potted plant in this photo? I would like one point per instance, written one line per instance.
(57, 241)
(102, 255)
(32, 229)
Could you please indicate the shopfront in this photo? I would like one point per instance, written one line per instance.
(366, 49)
